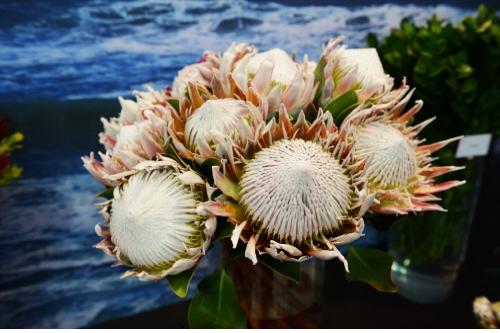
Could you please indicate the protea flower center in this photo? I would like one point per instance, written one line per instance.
(390, 157)
(213, 118)
(153, 220)
(295, 191)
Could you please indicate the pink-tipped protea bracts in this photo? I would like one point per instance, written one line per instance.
(351, 70)
(291, 190)
(152, 223)
(197, 129)
(395, 161)
(138, 134)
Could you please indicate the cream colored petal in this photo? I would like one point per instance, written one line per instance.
(235, 236)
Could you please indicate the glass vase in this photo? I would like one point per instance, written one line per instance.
(429, 249)
(271, 300)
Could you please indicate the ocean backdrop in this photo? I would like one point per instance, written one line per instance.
(62, 64)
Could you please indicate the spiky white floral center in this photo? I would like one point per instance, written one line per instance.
(295, 190)
(152, 220)
(284, 70)
(390, 157)
(214, 118)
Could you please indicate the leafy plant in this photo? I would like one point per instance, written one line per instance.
(454, 69)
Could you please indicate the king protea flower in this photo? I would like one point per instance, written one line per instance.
(356, 70)
(200, 74)
(153, 224)
(290, 189)
(397, 165)
(203, 121)
(266, 79)
(138, 134)
(275, 78)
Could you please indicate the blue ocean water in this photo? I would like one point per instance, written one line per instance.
(99, 48)
(64, 50)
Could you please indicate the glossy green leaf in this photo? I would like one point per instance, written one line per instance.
(216, 305)
(288, 269)
(106, 194)
(180, 283)
(206, 167)
(341, 106)
(319, 76)
(464, 70)
(371, 266)
(174, 103)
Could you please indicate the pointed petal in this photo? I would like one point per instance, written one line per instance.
(328, 255)
(412, 112)
(250, 250)
(438, 187)
(235, 236)
(227, 186)
(438, 145)
(191, 178)
(436, 171)
(290, 249)
(263, 77)
(366, 204)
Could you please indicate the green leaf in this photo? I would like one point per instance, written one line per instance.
(174, 103)
(180, 283)
(464, 70)
(11, 143)
(106, 194)
(319, 76)
(206, 167)
(288, 269)
(216, 305)
(341, 106)
(371, 266)
(10, 173)
(224, 229)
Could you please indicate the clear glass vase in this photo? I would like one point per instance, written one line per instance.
(429, 249)
(271, 300)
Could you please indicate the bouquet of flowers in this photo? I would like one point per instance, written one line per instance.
(282, 159)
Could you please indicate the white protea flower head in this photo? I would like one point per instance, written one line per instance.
(200, 74)
(152, 222)
(397, 166)
(295, 190)
(284, 69)
(215, 117)
(275, 79)
(138, 134)
(198, 128)
(290, 189)
(347, 71)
